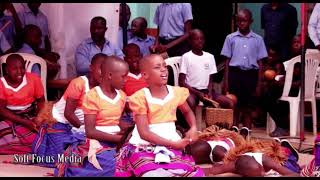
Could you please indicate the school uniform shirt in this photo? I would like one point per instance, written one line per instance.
(143, 44)
(161, 113)
(158, 110)
(244, 51)
(133, 83)
(87, 49)
(40, 20)
(8, 29)
(77, 88)
(4, 44)
(170, 18)
(108, 111)
(27, 49)
(21, 97)
(314, 25)
(198, 69)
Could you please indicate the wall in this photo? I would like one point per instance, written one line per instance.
(255, 9)
(146, 10)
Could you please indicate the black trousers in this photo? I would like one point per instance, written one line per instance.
(242, 83)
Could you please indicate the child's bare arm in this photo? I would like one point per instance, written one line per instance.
(210, 85)
(147, 135)
(182, 83)
(71, 106)
(226, 76)
(224, 168)
(7, 114)
(260, 77)
(187, 29)
(40, 103)
(189, 116)
(93, 133)
(269, 163)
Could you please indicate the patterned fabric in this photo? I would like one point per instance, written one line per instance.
(52, 141)
(131, 162)
(14, 137)
(84, 168)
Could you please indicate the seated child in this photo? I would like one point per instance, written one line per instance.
(140, 36)
(32, 42)
(256, 158)
(313, 168)
(102, 106)
(196, 73)
(21, 97)
(273, 90)
(54, 138)
(213, 144)
(134, 81)
(155, 146)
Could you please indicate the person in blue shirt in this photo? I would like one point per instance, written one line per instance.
(10, 26)
(97, 43)
(174, 21)
(280, 22)
(33, 15)
(140, 37)
(243, 51)
(31, 45)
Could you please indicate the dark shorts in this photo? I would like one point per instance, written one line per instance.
(177, 50)
(242, 83)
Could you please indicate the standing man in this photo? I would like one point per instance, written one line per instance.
(174, 22)
(280, 22)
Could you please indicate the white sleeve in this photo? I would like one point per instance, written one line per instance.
(313, 24)
(184, 64)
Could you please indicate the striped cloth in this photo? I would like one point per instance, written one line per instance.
(105, 157)
(14, 137)
(142, 163)
(52, 141)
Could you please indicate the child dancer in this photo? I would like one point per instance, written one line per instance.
(103, 106)
(155, 147)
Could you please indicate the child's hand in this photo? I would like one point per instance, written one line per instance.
(181, 144)
(161, 48)
(192, 134)
(32, 126)
(152, 49)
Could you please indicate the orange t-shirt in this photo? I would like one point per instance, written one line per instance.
(158, 110)
(133, 83)
(77, 89)
(108, 111)
(26, 93)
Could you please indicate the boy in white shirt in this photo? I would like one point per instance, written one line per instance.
(196, 73)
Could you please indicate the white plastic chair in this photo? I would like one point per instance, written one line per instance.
(174, 63)
(312, 63)
(30, 61)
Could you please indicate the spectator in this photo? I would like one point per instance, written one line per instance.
(33, 15)
(314, 26)
(279, 21)
(174, 22)
(140, 37)
(97, 43)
